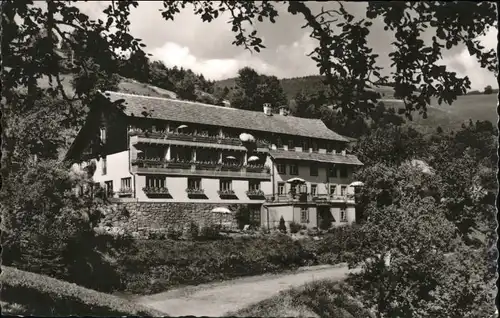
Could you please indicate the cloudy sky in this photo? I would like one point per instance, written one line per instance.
(206, 47)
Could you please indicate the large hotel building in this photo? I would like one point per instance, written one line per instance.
(179, 152)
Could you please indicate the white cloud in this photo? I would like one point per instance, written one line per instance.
(173, 54)
(466, 65)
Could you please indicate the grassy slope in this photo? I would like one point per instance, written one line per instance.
(318, 299)
(475, 107)
(26, 293)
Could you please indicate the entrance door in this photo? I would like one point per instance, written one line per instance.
(325, 217)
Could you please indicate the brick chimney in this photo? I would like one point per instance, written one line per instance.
(267, 109)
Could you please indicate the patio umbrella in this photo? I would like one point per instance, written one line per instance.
(357, 184)
(222, 210)
(296, 180)
(247, 137)
(230, 157)
(253, 158)
(182, 126)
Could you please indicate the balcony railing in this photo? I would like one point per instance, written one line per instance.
(192, 137)
(200, 168)
(307, 197)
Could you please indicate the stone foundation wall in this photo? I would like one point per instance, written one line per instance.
(140, 218)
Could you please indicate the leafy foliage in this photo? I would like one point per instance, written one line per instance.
(413, 237)
(155, 266)
(318, 299)
(253, 90)
(41, 295)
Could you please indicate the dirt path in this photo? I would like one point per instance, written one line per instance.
(217, 299)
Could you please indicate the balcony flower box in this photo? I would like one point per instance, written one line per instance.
(125, 192)
(230, 141)
(206, 165)
(255, 194)
(196, 193)
(178, 164)
(156, 192)
(263, 143)
(258, 168)
(147, 162)
(205, 138)
(231, 167)
(226, 193)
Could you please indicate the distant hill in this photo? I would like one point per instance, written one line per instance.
(475, 106)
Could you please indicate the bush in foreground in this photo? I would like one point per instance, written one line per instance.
(319, 299)
(155, 266)
(28, 293)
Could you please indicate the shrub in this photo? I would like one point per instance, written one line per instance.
(243, 217)
(294, 227)
(282, 225)
(192, 230)
(174, 233)
(155, 266)
(318, 299)
(40, 295)
(210, 232)
(265, 230)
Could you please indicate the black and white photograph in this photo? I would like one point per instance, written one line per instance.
(249, 158)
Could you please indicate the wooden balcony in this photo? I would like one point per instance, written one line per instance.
(308, 198)
(197, 138)
(201, 169)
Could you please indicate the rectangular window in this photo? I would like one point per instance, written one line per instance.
(293, 188)
(126, 183)
(281, 188)
(281, 168)
(279, 143)
(329, 147)
(104, 166)
(103, 135)
(333, 189)
(294, 169)
(109, 188)
(314, 169)
(253, 185)
(155, 182)
(304, 215)
(291, 145)
(303, 188)
(314, 189)
(332, 172)
(305, 145)
(343, 190)
(194, 183)
(343, 172)
(315, 146)
(225, 185)
(343, 215)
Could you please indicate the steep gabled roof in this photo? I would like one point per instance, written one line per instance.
(193, 112)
